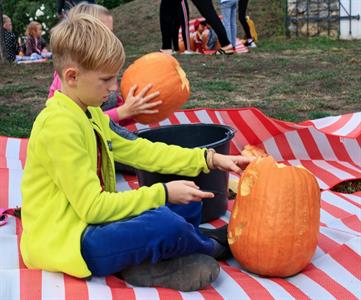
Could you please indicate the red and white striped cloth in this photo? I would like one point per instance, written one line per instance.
(329, 147)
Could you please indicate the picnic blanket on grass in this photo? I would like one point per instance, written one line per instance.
(330, 148)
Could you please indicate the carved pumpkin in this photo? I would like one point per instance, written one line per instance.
(275, 220)
(251, 150)
(167, 77)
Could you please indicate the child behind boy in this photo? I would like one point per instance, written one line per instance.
(74, 221)
(11, 46)
(34, 43)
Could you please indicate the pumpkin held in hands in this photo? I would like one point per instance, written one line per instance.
(275, 220)
(166, 75)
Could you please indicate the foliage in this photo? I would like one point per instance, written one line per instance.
(112, 3)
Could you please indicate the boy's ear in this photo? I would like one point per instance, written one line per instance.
(70, 76)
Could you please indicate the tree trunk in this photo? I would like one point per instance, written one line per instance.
(2, 42)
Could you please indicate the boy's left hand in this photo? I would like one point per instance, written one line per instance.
(234, 163)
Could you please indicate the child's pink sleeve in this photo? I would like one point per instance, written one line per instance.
(55, 86)
(113, 114)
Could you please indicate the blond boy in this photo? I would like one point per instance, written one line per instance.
(74, 221)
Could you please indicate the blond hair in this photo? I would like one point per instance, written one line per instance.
(6, 19)
(32, 28)
(86, 41)
(95, 10)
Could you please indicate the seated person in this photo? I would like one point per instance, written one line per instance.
(34, 42)
(11, 47)
(198, 36)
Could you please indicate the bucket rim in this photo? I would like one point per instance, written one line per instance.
(228, 134)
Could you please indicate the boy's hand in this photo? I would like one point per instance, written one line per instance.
(235, 163)
(138, 104)
(184, 191)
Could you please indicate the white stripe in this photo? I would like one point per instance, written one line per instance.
(12, 148)
(272, 149)
(325, 122)
(312, 289)
(52, 286)
(355, 245)
(254, 122)
(145, 293)
(191, 295)
(350, 125)
(333, 170)
(122, 185)
(9, 228)
(353, 150)
(182, 117)
(318, 253)
(339, 274)
(10, 285)
(15, 198)
(9, 255)
(98, 289)
(340, 237)
(322, 184)
(354, 198)
(333, 222)
(228, 288)
(350, 166)
(141, 126)
(296, 145)
(165, 122)
(203, 116)
(13, 163)
(323, 144)
(334, 200)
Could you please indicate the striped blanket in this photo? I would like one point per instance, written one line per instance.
(328, 147)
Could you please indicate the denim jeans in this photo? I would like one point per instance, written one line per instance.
(157, 234)
(229, 12)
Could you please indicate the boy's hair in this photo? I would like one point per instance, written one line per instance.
(6, 19)
(94, 10)
(32, 28)
(86, 41)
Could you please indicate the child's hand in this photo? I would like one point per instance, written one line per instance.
(184, 191)
(235, 163)
(138, 104)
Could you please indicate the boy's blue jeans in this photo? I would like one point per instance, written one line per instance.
(229, 12)
(167, 232)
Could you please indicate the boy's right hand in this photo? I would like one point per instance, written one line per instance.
(184, 191)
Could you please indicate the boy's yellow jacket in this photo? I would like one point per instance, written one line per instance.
(61, 190)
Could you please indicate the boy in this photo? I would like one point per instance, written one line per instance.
(73, 219)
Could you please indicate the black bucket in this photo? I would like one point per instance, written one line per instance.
(213, 136)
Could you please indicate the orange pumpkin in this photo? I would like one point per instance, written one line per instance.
(251, 150)
(275, 220)
(167, 77)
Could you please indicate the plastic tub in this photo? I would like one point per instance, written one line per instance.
(213, 136)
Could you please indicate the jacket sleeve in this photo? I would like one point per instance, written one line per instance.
(61, 149)
(159, 157)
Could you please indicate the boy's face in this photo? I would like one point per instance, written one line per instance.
(94, 87)
(8, 25)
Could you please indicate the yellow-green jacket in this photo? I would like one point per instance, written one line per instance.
(61, 190)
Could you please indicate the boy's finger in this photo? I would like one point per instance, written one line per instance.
(202, 194)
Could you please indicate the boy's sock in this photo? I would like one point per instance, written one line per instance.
(186, 273)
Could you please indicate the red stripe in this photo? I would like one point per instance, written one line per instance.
(267, 122)
(217, 223)
(173, 119)
(348, 259)
(338, 124)
(290, 288)
(75, 288)
(326, 244)
(339, 148)
(342, 167)
(119, 289)
(352, 222)
(309, 143)
(251, 287)
(334, 210)
(243, 126)
(132, 181)
(354, 133)
(19, 231)
(23, 151)
(4, 188)
(210, 294)
(284, 147)
(192, 117)
(168, 294)
(3, 144)
(30, 284)
(131, 127)
(330, 285)
(3, 162)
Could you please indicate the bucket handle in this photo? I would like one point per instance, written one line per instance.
(232, 131)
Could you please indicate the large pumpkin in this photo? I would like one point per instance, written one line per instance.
(275, 220)
(167, 77)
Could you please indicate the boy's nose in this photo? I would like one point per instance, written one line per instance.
(114, 85)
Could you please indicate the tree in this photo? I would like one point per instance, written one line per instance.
(2, 42)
